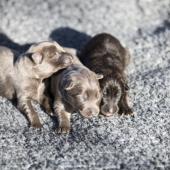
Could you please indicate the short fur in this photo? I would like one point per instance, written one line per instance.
(104, 54)
(22, 77)
(75, 88)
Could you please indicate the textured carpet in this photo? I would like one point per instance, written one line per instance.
(138, 142)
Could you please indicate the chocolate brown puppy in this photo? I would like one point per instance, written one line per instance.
(23, 76)
(75, 88)
(105, 55)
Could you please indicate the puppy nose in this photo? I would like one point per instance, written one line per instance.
(88, 113)
(112, 109)
(66, 58)
(91, 112)
(115, 109)
(109, 111)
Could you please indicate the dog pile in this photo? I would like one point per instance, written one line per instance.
(63, 80)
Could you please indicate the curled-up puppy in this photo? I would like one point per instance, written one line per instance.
(22, 77)
(105, 55)
(75, 88)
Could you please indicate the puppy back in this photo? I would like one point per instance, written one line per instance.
(103, 54)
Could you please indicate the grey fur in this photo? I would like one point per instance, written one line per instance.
(23, 77)
(76, 88)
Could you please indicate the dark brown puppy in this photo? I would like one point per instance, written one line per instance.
(23, 76)
(105, 55)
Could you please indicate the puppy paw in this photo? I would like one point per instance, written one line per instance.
(63, 129)
(49, 112)
(126, 111)
(35, 121)
(36, 125)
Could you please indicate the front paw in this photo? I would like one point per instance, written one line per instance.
(126, 111)
(49, 112)
(36, 124)
(63, 128)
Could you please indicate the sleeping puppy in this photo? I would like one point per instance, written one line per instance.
(75, 88)
(23, 76)
(105, 55)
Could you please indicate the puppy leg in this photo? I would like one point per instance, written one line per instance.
(46, 105)
(64, 122)
(25, 106)
(124, 107)
(63, 116)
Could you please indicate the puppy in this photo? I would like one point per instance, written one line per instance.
(23, 76)
(105, 55)
(75, 88)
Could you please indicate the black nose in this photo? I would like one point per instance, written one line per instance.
(106, 109)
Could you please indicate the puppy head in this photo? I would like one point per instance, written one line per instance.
(111, 92)
(48, 58)
(82, 91)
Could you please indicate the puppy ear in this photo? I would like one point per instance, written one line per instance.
(70, 86)
(37, 57)
(99, 76)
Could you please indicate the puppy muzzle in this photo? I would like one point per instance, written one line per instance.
(66, 59)
(89, 112)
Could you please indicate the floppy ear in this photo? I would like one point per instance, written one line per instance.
(37, 57)
(70, 85)
(99, 76)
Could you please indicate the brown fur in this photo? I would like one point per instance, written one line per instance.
(23, 76)
(76, 88)
(105, 55)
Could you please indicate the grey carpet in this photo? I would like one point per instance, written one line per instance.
(129, 143)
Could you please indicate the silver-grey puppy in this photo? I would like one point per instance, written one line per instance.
(75, 88)
(22, 77)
